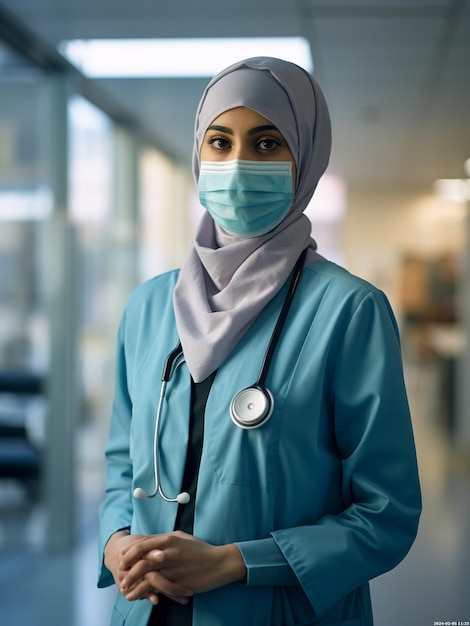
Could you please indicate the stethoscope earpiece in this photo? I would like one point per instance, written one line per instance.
(183, 497)
(252, 407)
(140, 494)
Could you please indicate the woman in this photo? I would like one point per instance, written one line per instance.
(280, 517)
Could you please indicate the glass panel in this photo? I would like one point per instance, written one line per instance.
(91, 211)
(24, 204)
(90, 163)
(165, 220)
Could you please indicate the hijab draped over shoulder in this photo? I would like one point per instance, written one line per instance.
(227, 279)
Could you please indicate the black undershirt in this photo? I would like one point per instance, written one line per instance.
(167, 612)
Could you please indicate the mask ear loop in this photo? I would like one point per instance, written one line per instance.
(253, 406)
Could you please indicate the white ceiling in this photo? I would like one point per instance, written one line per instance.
(396, 73)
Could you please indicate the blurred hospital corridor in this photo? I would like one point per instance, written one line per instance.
(97, 195)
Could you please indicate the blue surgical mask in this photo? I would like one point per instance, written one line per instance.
(247, 198)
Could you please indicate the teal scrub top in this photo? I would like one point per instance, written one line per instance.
(321, 499)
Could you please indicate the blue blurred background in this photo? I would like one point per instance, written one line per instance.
(96, 195)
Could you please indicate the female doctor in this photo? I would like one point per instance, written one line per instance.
(274, 473)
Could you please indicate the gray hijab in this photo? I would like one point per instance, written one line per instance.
(227, 279)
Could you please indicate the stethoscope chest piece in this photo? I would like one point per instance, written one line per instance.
(252, 407)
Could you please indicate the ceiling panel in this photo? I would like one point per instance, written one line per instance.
(395, 72)
(57, 20)
(376, 7)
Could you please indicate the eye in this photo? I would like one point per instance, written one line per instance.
(218, 143)
(267, 144)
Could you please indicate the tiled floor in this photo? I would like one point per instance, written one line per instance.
(431, 585)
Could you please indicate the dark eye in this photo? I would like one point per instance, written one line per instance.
(267, 144)
(218, 143)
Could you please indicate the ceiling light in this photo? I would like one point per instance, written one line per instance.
(158, 58)
(452, 189)
(466, 168)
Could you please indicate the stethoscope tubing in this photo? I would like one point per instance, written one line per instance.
(172, 361)
(252, 407)
(251, 397)
(281, 319)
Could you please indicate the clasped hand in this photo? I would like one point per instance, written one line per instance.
(175, 564)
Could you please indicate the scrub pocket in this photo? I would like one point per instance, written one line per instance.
(246, 457)
(125, 612)
(291, 607)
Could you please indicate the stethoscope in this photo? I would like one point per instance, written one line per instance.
(250, 408)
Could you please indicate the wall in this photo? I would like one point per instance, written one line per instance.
(381, 227)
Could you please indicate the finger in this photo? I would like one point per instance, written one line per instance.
(145, 590)
(134, 576)
(144, 565)
(132, 544)
(133, 553)
(147, 570)
(157, 580)
(154, 598)
(179, 599)
(139, 591)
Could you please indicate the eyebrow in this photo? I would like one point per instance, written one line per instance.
(252, 131)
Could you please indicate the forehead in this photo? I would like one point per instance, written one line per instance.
(241, 118)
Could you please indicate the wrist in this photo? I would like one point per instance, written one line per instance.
(115, 537)
(119, 534)
(233, 564)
